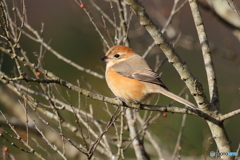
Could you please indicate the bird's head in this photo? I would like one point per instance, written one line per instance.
(117, 54)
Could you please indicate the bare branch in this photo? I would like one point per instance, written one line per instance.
(193, 84)
(139, 149)
(115, 101)
(65, 118)
(229, 115)
(209, 67)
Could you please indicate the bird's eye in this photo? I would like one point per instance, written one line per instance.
(116, 55)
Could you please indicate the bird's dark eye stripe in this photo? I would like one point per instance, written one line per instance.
(116, 55)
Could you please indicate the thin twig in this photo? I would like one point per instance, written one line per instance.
(31, 150)
(179, 137)
(150, 136)
(93, 23)
(229, 115)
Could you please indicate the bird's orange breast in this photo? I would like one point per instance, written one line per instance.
(126, 88)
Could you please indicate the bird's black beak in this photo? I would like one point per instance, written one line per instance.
(104, 58)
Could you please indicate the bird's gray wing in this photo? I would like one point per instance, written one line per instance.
(139, 71)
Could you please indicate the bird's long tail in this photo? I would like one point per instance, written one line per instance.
(177, 98)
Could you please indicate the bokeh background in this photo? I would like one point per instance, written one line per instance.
(68, 30)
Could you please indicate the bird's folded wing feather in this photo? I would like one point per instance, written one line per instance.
(140, 71)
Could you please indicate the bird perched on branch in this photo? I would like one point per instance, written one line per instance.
(131, 79)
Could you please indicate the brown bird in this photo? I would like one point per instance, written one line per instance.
(131, 79)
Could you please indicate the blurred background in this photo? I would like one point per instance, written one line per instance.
(68, 30)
